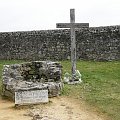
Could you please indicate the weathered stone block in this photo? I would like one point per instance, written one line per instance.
(31, 97)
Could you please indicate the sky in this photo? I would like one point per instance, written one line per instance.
(27, 15)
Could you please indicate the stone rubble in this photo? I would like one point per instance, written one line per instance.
(69, 80)
(36, 75)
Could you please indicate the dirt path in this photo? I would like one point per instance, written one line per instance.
(60, 108)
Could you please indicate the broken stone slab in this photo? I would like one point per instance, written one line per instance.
(54, 89)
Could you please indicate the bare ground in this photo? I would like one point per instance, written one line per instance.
(59, 108)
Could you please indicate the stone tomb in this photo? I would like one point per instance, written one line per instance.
(32, 82)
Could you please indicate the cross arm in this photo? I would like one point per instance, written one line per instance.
(73, 25)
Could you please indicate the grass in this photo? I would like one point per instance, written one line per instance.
(100, 87)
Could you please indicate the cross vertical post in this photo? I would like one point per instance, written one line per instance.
(73, 43)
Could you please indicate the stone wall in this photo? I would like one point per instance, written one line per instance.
(98, 43)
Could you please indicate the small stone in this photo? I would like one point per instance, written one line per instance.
(37, 117)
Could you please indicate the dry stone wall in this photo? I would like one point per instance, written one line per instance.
(35, 75)
(98, 43)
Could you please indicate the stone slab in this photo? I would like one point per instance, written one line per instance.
(31, 97)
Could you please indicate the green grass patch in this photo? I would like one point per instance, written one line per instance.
(100, 87)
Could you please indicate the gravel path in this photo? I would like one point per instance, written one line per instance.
(59, 108)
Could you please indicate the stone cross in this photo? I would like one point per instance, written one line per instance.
(72, 25)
